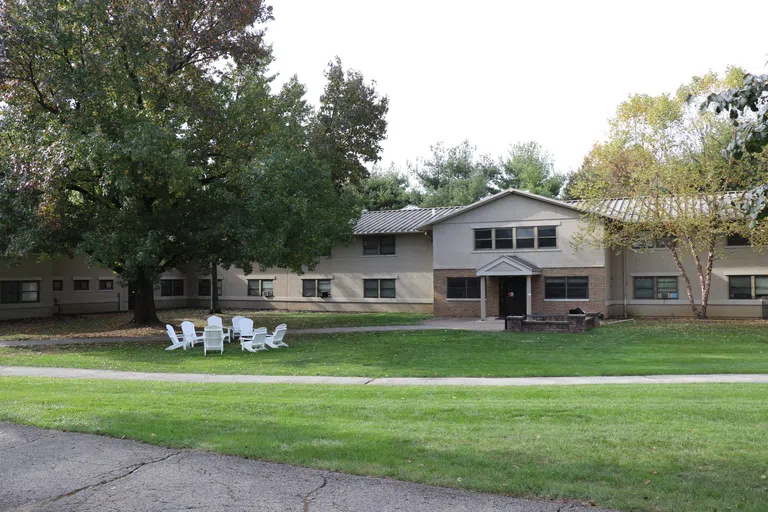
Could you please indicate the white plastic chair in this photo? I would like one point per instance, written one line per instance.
(254, 342)
(236, 325)
(213, 339)
(216, 322)
(190, 335)
(276, 340)
(177, 340)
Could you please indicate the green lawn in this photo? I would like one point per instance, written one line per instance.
(117, 325)
(632, 348)
(674, 448)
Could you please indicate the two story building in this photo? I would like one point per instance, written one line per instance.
(510, 253)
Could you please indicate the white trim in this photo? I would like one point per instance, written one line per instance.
(655, 274)
(486, 251)
(378, 255)
(464, 300)
(516, 224)
(342, 300)
(315, 277)
(252, 277)
(378, 276)
(483, 300)
(684, 302)
(566, 300)
(21, 279)
(549, 267)
(528, 296)
(78, 278)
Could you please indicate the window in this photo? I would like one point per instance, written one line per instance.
(58, 285)
(525, 238)
(82, 285)
(378, 245)
(171, 287)
(656, 287)
(463, 287)
(504, 238)
(260, 287)
(204, 287)
(566, 288)
(547, 236)
(516, 238)
(747, 287)
(106, 284)
(316, 288)
(483, 239)
(19, 291)
(737, 241)
(379, 288)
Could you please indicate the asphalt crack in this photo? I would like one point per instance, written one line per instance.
(132, 469)
(313, 491)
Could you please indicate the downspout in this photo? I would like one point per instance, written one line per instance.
(624, 278)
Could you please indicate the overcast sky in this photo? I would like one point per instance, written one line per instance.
(500, 72)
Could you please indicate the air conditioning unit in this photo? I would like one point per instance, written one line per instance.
(664, 296)
(325, 295)
(267, 293)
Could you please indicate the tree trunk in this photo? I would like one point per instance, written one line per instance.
(215, 308)
(707, 278)
(144, 312)
(688, 288)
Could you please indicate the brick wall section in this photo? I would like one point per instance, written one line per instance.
(596, 302)
(461, 308)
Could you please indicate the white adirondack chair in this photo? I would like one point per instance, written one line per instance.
(177, 340)
(236, 325)
(213, 339)
(254, 342)
(190, 335)
(276, 340)
(216, 321)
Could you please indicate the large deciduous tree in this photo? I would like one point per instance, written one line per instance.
(388, 189)
(528, 166)
(680, 187)
(144, 134)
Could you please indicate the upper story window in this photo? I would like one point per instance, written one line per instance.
(645, 240)
(737, 241)
(58, 285)
(316, 288)
(378, 245)
(204, 287)
(171, 287)
(535, 237)
(19, 291)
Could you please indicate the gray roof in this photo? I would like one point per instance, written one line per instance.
(407, 220)
(636, 208)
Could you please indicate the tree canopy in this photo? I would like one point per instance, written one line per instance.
(528, 166)
(388, 189)
(146, 135)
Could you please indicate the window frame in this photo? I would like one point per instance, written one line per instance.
(532, 238)
(103, 284)
(19, 283)
(752, 287)
(375, 245)
(539, 238)
(491, 243)
(379, 288)
(740, 241)
(655, 288)
(60, 283)
(317, 293)
(567, 295)
(219, 287)
(175, 290)
(81, 281)
(464, 287)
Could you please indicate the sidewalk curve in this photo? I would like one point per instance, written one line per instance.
(81, 373)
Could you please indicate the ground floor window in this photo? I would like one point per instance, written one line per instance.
(171, 287)
(656, 287)
(316, 288)
(58, 285)
(566, 288)
(204, 287)
(260, 288)
(106, 284)
(379, 288)
(747, 287)
(82, 285)
(19, 291)
(463, 287)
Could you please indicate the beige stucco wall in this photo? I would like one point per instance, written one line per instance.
(29, 270)
(454, 237)
(94, 300)
(411, 267)
(659, 262)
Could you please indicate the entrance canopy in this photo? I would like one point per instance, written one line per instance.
(509, 266)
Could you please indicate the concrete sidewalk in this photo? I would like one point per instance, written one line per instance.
(491, 325)
(77, 373)
(57, 471)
